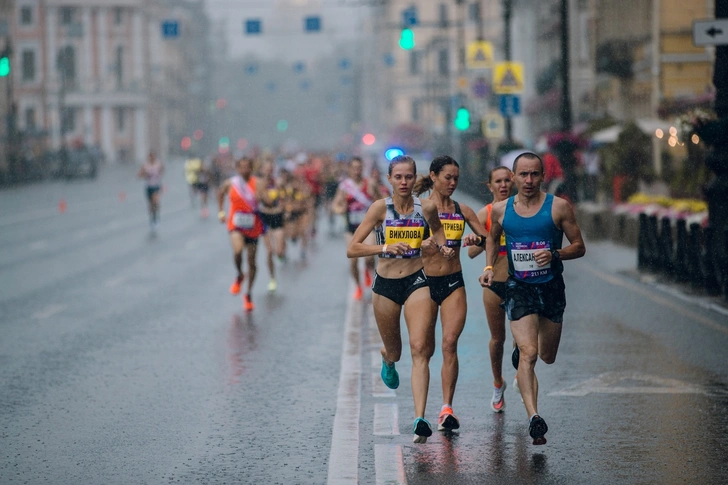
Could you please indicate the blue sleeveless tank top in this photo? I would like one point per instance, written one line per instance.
(525, 235)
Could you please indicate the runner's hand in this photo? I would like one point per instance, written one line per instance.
(429, 246)
(470, 240)
(542, 256)
(221, 216)
(486, 279)
(447, 252)
(398, 249)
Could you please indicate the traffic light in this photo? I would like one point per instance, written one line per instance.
(462, 119)
(4, 66)
(407, 39)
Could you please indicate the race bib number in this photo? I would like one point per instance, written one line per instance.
(403, 231)
(356, 217)
(524, 262)
(454, 227)
(244, 220)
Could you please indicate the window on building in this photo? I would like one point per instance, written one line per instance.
(414, 63)
(67, 66)
(474, 11)
(26, 15)
(68, 120)
(30, 118)
(443, 15)
(119, 66)
(416, 111)
(66, 14)
(443, 62)
(118, 15)
(120, 120)
(28, 66)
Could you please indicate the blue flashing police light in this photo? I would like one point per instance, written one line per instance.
(393, 152)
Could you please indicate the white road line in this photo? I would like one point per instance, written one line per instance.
(378, 387)
(389, 465)
(344, 455)
(376, 359)
(677, 308)
(386, 419)
(49, 311)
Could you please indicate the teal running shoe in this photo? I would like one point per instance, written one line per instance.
(422, 430)
(390, 377)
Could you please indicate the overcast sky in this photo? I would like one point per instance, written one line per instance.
(283, 35)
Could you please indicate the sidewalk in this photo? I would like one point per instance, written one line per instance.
(621, 257)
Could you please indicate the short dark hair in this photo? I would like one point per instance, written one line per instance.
(530, 156)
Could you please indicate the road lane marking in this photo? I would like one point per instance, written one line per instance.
(378, 387)
(635, 288)
(386, 419)
(630, 383)
(388, 465)
(344, 455)
(49, 311)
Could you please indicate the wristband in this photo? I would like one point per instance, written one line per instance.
(384, 249)
(481, 241)
(489, 267)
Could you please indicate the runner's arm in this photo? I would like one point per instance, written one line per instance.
(339, 203)
(429, 210)
(373, 218)
(221, 195)
(567, 222)
(474, 251)
(479, 236)
(492, 243)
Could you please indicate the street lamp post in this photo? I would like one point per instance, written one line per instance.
(714, 134)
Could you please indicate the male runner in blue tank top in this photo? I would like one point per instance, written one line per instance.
(535, 223)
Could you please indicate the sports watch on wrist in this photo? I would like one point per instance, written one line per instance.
(555, 255)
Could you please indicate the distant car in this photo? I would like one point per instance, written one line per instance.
(78, 163)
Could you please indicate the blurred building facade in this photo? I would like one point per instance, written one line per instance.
(628, 61)
(101, 73)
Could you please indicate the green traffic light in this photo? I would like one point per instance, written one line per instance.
(462, 119)
(407, 39)
(4, 66)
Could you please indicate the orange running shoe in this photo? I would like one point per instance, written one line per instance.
(235, 287)
(367, 278)
(247, 304)
(358, 293)
(447, 421)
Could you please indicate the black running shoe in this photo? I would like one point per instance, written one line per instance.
(537, 429)
(515, 357)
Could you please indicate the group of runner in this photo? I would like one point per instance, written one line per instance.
(418, 243)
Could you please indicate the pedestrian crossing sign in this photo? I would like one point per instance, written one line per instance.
(480, 55)
(508, 78)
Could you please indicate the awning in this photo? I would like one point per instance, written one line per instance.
(648, 127)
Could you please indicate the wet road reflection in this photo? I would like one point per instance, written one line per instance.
(241, 340)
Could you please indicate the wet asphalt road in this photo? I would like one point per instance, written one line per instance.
(123, 359)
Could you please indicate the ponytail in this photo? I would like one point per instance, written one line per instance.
(423, 184)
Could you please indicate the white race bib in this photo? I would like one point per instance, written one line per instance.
(524, 262)
(244, 220)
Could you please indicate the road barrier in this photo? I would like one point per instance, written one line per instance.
(683, 254)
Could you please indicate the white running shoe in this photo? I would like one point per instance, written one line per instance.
(498, 402)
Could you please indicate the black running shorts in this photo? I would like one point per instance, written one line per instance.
(545, 299)
(499, 288)
(272, 221)
(442, 286)
(399, 289)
